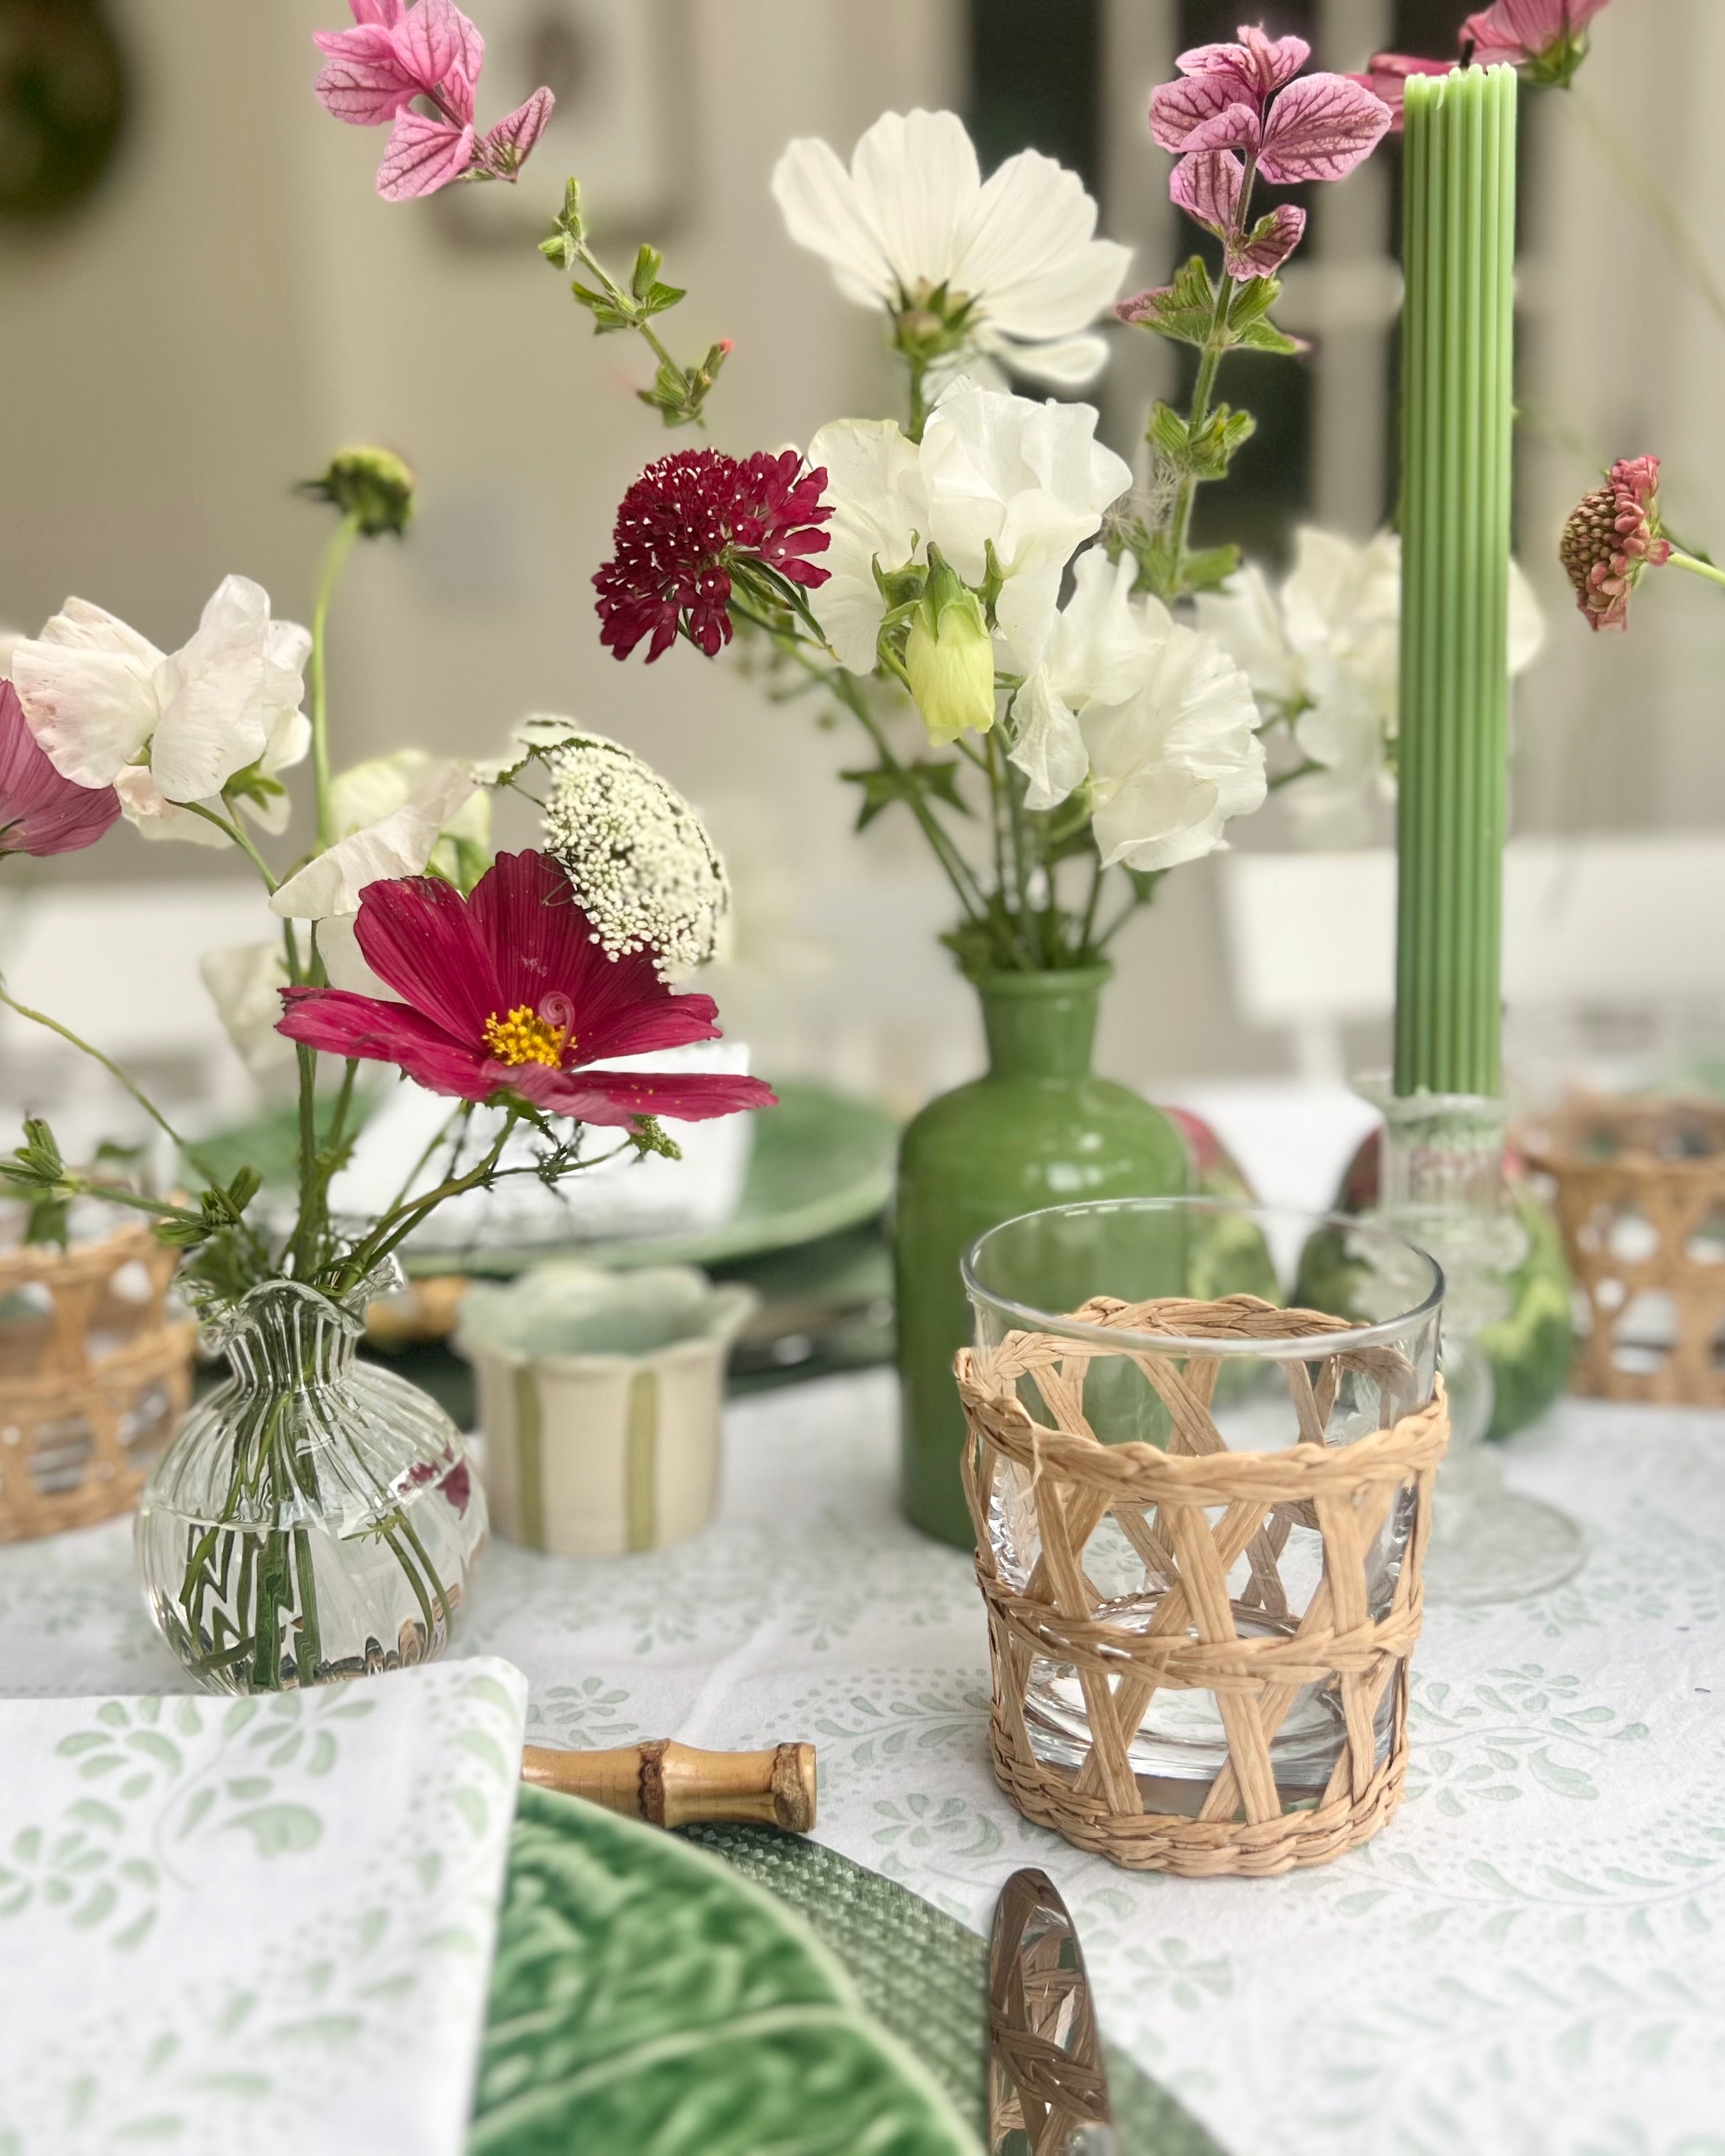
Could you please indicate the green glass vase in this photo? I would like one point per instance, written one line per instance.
(1039, 1129)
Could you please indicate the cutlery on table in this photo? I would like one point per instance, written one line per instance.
(671, 1784)
(1048, 2088)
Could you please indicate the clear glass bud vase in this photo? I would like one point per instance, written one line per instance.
(316, 1517)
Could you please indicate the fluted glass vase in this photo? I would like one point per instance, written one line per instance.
(316, 1517)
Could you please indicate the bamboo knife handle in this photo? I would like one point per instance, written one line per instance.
(671, 1784)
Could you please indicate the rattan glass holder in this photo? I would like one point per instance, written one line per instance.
(1194, 1512)
(1638, 1190)
(95, 1376)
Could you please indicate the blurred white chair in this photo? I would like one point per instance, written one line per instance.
(117, 962)
(1627, 923)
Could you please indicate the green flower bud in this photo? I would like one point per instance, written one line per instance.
(374, 485)
(949, 657)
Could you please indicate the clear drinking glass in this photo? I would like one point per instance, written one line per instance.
(1032, 1274)
(316, 1517)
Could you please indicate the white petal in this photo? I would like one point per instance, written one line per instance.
(1172, 767)
(917, 185)
(400, 844)
(1244, 619)
(290, 742)
(817, 199)
(343, 961)
(215, 714)
(1071, 362)
(875, 480)
(244, 982)
(1527, 622)
(1031, 254)
(144, 805)
(1340, 592)
(87, 684)
(1048, 746)
(1099, 649)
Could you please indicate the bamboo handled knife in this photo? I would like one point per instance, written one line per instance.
(671, 1784)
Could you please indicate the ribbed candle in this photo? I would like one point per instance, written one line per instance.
(1457, 363)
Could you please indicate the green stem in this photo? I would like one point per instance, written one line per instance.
(108, 1063)
(1679, 560)
(1202, 390)
(919, 400)
(306, 1228)
(231, 828)
(334, 560)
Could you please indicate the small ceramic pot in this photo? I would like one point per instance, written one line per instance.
(599, 1400)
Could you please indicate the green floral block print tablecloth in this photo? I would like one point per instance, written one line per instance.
(1529, 1962)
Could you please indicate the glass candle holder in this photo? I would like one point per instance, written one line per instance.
(1173, 1323)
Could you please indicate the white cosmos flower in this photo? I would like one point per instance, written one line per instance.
(1325, 648)
(1157, 716)
(1029, 479)
(163, 729)
(912, 214)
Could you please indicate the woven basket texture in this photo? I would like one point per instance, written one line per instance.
(1193, 1513)
(95, 1377)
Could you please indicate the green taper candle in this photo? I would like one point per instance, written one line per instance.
(1458, 344)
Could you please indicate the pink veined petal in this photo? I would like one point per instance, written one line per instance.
(423, 155)
(1515, 30)
(387, 12)
(363, 82)
(509, 143)
(418, 935)
(618, 1098)
(1274, 61)
(1206, 185)
(1261, 252)
(1177, 108)
(1320, 128)
(342, 1024)
(1387, 74)
(439, 45)
(1235, 127)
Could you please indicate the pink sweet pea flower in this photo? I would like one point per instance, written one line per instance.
(508, 993)
(1237, 113)
(40, 812)
(396, 53)
(1546, 38)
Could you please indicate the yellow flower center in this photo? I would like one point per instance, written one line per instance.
(524, 1037)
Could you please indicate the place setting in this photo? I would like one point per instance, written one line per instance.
(704, 1446)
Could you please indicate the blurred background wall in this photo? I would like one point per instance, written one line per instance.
(232, 301)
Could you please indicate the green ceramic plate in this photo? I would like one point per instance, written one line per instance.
(647, 1998)
(821, 1162)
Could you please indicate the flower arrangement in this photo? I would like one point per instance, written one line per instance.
(988, 559)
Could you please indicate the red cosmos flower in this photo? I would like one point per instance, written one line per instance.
(1612, 536)
(40, 812)
(687, 522)
(506, 992)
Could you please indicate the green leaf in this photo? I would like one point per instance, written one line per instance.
(279, 1830)
(1210, 566)
(661, 298)
(1264, 337)
(927, 779)
(1184, 310)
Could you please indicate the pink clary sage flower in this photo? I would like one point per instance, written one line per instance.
(40, 812)
(1612, 535)
(1546, 39)
(398, 53)
(1237, 113)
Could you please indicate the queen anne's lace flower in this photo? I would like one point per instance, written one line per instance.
(644, 871)
(1011, 268)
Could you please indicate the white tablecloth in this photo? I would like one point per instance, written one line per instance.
(1530, 1959)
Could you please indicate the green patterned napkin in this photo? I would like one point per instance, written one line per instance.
(252, 1924)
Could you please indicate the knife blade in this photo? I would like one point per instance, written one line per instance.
(1048, 2087)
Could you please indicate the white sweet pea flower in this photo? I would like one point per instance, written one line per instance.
(1325, 651)
(1012, 268)
(1157, 717)
(367, 792)
(400, 844)
(244, 982)
(166, 729)
(1030, 480)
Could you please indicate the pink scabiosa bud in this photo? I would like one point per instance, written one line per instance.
(1611, 536)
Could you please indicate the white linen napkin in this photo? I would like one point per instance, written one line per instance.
(254, 1925)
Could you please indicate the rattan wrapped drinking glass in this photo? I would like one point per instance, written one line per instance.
(1200, 1525)
(1639, 1189)
(95, 1376)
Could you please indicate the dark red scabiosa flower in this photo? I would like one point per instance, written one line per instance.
(687, 524)
(40, 812)
(1612, 536)
(508, 992)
